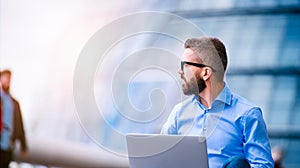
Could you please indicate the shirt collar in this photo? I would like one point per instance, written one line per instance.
(224, 96)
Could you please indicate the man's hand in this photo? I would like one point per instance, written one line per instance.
(24, 154)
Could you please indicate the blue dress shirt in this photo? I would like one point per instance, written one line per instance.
(232, 126)
(7, 116)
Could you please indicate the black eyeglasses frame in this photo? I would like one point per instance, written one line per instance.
(195, 64)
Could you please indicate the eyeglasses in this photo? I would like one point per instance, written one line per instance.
(195, 64)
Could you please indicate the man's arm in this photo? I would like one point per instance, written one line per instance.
(170, 127)
(19, 128)
(256, 142)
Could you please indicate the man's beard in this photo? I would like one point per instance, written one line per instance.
(5, 89)
(194, 86)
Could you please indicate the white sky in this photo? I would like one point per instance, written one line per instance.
(40, 42)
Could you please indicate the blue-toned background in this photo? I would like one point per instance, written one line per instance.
(41, 41)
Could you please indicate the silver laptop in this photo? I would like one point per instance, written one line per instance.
(166, 151)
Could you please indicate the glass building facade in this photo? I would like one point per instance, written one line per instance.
(263, 44)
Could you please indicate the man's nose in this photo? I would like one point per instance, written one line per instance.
(180, 71)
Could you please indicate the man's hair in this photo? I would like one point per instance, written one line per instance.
(213, 50)
(4, 72)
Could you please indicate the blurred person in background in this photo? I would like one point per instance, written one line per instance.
(234, 128)
(278, 155)
(11, 124)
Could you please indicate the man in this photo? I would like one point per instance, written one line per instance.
(11, 122)
(234, 128)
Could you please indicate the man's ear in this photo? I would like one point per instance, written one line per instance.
(206, 73)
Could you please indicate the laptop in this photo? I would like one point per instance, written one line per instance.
(166, 151)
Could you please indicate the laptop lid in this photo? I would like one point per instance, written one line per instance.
(165, 151)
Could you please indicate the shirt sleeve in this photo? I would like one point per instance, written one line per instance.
(256, 142)
(19, 131)
(170, 127)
